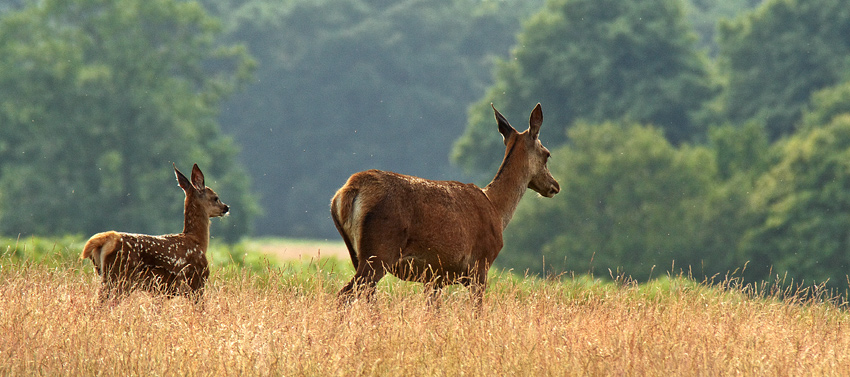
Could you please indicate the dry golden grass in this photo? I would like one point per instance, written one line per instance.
(288, 323)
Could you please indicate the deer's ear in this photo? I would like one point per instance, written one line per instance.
(182, 180)
(535, 121)
(198, 178)
(505, 128)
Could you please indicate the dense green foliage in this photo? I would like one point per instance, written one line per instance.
(704, 15)
(629, 202)
(803, 204)
(349, 85)
(98, 97)
(595, 60)
(776, 57)
(734, 195)
(671, 146)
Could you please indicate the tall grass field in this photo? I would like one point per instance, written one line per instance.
(267, 317)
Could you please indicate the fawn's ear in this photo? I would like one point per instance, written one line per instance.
(505, 128)
(198, 178)
(182, 180)
(535, 121)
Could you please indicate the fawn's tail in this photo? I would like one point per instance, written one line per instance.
(100, 246)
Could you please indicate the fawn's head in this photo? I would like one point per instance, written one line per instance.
(527, 143)
(198, 195)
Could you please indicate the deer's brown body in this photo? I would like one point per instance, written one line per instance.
(444, 239)
(174, 264)
(437, 232)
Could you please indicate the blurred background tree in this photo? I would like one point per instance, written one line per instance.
(595, 60)
(774, 58)
(705, 132)
(748, 171)
(629, 202)
(704, 15)
(803, 204)
(349, 85)
(98, 97)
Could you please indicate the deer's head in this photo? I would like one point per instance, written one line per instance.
(198, 195)
(528, 144)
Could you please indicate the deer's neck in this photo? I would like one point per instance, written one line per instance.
(196, 225)
(509, 184)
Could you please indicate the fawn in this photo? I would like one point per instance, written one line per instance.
(174, 264)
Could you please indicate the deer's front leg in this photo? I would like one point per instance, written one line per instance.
(434, 291)
(477, 284)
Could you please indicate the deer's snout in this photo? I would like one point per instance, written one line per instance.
(223, 210)
(554, 188)
(546, 187)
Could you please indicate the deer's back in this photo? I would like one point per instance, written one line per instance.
(170, 260)
(449, 220)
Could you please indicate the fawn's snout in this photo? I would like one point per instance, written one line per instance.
(218, 209)
(214, 206)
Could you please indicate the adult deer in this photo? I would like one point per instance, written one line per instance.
(437, 232)
(174, 264)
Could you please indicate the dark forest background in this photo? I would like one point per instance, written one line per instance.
(705, 134)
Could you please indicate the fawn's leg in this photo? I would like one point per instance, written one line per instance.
(197, 297)
(112, 290)
(106, 292)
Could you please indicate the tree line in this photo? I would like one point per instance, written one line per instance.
(709, 133)
(669, 158)
(97, 99)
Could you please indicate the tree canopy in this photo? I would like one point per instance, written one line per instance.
(704, 15)
(349, 85)
(775, 57)
(713, 190)
(671, 147)
(803, 203)
(629, 201)
(98, 98)
(594, 61)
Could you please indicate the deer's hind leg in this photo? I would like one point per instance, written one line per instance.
(363, 283)
(115, 281)
(107, 292)
(378, 250)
